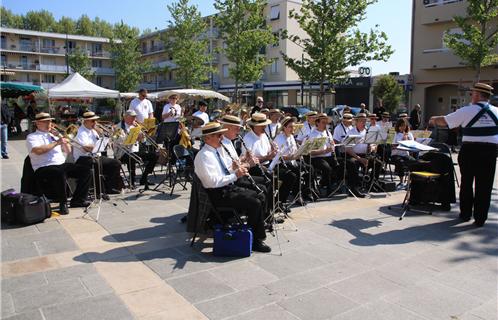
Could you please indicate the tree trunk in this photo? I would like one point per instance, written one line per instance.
(236, 90)
(321, 96)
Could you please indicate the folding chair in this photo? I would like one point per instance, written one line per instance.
(183, 167)
(444, 148)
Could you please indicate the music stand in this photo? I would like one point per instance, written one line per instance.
(167, 133)
(375, 137)
(349, 141)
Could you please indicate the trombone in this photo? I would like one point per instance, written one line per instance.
(67, 133)
(150, 140)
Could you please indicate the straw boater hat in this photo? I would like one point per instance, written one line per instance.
(258, 119)
(347, 116)
(403, 115)
(386, 115)
(212, 128)
(197, 120)
(361, 115)
(173, 94)
(264, 110)
(482, 87)
(90, 115)
(372, 115)
(43, 116)
(131, 113)
(310, 114)
(285, 121)
(230, 120)
(322, 116)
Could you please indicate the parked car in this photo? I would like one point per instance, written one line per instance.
(297, 112)
(336, 112)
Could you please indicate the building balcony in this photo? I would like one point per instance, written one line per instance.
(101, 54)
(437, 11)
(54, 50)
(441, 58)
(22, 66)
(53, 68)
(103, 71)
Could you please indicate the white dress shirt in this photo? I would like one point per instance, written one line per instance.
(341, 131)
(49, 158)
(272, 130)
(315, 133)
(202, 115)
(209, 169)
(305, 131)
(462, 117)
(386, 124)
(287, 145)
(176, 114)
(359, 148)
(259, 145)
(85, 137)
(142, 108)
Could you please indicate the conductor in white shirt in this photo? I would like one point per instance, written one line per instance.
(142, 106)
(201, 113)
(219, 184)
(46, 153)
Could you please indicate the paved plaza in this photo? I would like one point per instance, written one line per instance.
(348, 259)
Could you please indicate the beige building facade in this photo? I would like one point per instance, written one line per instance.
(439, 78)
(39, 58)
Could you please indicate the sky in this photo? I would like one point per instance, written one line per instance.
(154, 14)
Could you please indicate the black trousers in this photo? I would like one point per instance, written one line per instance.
(284, 174)
(149, 159)
(477, 165)
(243, 200)
(328, 168)
(56, 177)
(111, 171)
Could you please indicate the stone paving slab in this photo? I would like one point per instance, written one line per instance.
(348, 259)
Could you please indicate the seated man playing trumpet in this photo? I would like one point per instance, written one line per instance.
(47, 149)
(88, 136)
(149, 158)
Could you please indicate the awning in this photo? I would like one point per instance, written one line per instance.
(14, 90)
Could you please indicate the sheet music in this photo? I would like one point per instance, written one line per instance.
(352, 139)
(415, 146)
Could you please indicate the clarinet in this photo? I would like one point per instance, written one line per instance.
(251, 179)
(258, 164)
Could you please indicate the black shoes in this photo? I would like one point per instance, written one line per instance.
(478, 224)
(63, 210)
(260, 246)
(5, 157)
(80, 203)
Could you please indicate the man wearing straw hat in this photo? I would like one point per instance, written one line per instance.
(386, 121)
(46, 153)
(219, 184)
(342, 130)
(477, 158)
(88, 137)
(272, 129)
(308, 125)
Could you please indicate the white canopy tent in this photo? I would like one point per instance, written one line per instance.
(76, 86)
(131, 95)
(193, 94)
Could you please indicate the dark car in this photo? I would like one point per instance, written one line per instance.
(297, 112)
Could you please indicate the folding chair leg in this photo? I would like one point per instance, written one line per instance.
(193, 239)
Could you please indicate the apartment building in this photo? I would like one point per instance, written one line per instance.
(440, 80)
(39, 58)
(279, 83)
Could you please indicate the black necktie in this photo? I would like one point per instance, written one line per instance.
(225, 170)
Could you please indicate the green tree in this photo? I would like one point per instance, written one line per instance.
(80, 62)
(102, 28)
(42, 20)
(244, 33)
(333, 42)
(66, 25)
(388, 90)
(125, 52)
(10, 20)
(188, 45)
(477, 43)
(84, 26)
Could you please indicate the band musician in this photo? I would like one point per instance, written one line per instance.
(148, 157)
(221, 188)
(47, 152)
(87, 137)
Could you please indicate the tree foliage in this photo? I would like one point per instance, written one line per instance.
(244, 33)
(332, 41)
(388, 90)
(79, 61)
(187, 43)
(44, 20)
(125, 52)
(478, 42)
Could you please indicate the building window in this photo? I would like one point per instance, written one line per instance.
(4, 60)
(4, 42)
(144, 47)
(24, 61)
(170, 76)
(98, 80)
(454, 31)
(49, 78)
(48, 43)
(433, 3)
(96, 63)
(275, 12)
(225, 71)
(274, 66)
